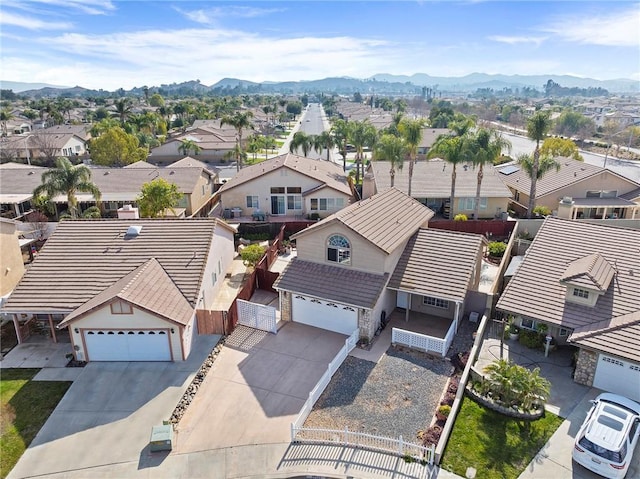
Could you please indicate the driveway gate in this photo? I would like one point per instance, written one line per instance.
(258, 316)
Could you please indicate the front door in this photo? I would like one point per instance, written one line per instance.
(277, 205)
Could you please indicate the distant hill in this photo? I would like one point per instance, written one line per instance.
(19, 87)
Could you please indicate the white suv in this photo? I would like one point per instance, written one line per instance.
(608, 436)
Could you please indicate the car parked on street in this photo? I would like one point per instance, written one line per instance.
(607, 438)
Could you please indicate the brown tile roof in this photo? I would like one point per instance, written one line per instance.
(591, 271)
(385, 219)
(140, 164)
(432, 179)
(83, 258)
(535, 291)
(571, 172)
(333, 283)
(188, 162)
(430, 135)
(325, 172)
(438, 263)
(148, 287)
(620, 336)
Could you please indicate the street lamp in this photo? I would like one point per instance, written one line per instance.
(26, 147)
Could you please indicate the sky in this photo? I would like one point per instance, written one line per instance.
(113, 44)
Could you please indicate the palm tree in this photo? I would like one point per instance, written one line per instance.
(340, 132)
(487, 148)
(392, 149)
(67, 179)
(301, 141)
(240, 121)
(515, 385)
(535, 170)
(324, 141)
(187, 146)
(5, 116)
(411, 131)
(538, 125)
(361, 134)
(454, 150)
(123, 109)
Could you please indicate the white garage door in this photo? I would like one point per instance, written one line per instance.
(618, 376)
(335, 317)
(127, 345)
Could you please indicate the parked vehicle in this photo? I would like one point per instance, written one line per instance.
(608, 436)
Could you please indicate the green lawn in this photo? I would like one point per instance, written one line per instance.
(496, 446)
(25, 405)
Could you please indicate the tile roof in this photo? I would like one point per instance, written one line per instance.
(620, 336)
(140, 164)
(386, 219)
(591, 271)
(537, 293)
(438, 263)
(432, 179)
(188, 162)
(325, 172)
(333, 283)
(83, 258)
(631, 195)
(571, 171)
(430, 135)
(148, 287)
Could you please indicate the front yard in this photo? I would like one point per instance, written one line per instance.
(25, 405)
(497, 446)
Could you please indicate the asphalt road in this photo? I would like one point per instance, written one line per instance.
(313, 123)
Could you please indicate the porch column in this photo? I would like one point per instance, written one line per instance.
(52, 328)
(16, 325)
(574, 213)
(604, 213)
(457, 315)
(406, 312)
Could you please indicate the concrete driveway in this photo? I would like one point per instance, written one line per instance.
(256, 387)
(107, 414)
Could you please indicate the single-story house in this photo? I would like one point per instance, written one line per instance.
(582, 281)
(355, 267)
(43, 144)
(124, 290)
(431, 185)
(214, 141)
(288, 185)
(597, 192)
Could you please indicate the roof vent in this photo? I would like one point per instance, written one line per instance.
(106, 173)
(30, 173)
(133, 231)
(172, 172)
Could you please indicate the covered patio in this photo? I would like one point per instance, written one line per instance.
(426, 332)
(604, 208)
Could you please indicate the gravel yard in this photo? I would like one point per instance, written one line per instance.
(396, 396)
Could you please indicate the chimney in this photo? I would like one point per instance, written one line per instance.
(565, 208)
(128, 212)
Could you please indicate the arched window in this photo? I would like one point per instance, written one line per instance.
(339, 249)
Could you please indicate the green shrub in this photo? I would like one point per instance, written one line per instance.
(252, 254)
(514, 329)
(497, 249)
(444, 410)
(531, 339)
(460, 217)
(541, 211)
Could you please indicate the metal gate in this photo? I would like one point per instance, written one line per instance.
(258, 316)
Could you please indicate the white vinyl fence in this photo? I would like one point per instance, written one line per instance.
(258, 316)
(424, 342)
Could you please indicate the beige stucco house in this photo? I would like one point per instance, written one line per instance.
(11, 262)
(288, 186)
(357, 266)
(124, 290)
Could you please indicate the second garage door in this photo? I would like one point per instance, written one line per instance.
(127, 345)
(336, 317)
(618, 376)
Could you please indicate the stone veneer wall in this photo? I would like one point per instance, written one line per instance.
(586, 367)
(285, 313)
(366, 324)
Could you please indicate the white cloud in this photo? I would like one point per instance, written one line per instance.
(210, 16)
(514, 40)
(90, 7)
(31, 23)
(618, 29)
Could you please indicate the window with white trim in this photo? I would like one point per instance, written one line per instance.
(326, 204)
(339, 249)
(468, 204)
(564, 332)
(528, 324)
(435, 302)
(294, 202)
(120, 307)
(252, 201)
(581, 293)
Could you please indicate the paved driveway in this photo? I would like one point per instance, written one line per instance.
(107, 414)
(256, 387)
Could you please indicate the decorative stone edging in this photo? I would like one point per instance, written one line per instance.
(507, 411)
(192, 389)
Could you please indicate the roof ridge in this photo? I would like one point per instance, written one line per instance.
(140, 269)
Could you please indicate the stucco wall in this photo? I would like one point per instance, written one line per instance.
(220, 256)
(417, 305)
(11, 265)
(495, 206)
(201, 193)
(188, 333)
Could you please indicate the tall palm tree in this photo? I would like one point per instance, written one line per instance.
(5, 116)
(487, 148)
(393, 149)
(535, 170)
(340, 132)
(301, 141)
(538, 125)
(411, 131)
(323, 141)
(454, 150)
(123, 109)
(240, 121)
(361, 134)
(67, 179)
(187, 146)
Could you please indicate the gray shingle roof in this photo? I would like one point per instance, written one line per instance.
(385, 219)
(332, 283)
(432, 179)
(592, 271)
(620, 336)
(537, 293)
(438, 263)
(83, 258)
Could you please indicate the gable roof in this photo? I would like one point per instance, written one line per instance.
(535, 291)
(385, 219)
(430, 135)
(438, 263)
(432, 179)
(188, 162)
(620, 336)
(571, 172)
(83, 258)
(325, 172)
(591, 271)
(140, 164)
(332, 283)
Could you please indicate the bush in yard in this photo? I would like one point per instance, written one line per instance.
(497, 249)
(541, 211)
(531, 339)
(252, 254)
(432, 436)
(513, 385)
(448, 399)
(443, 412)
(460, 217)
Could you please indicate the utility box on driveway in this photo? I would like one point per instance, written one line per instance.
(161, 438)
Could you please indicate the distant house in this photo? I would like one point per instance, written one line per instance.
(581, 280)
(215, 143)
(596, 192)
(431, 185)
(43, 144)
(429, 137)
(288, 186)
(128, 291)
